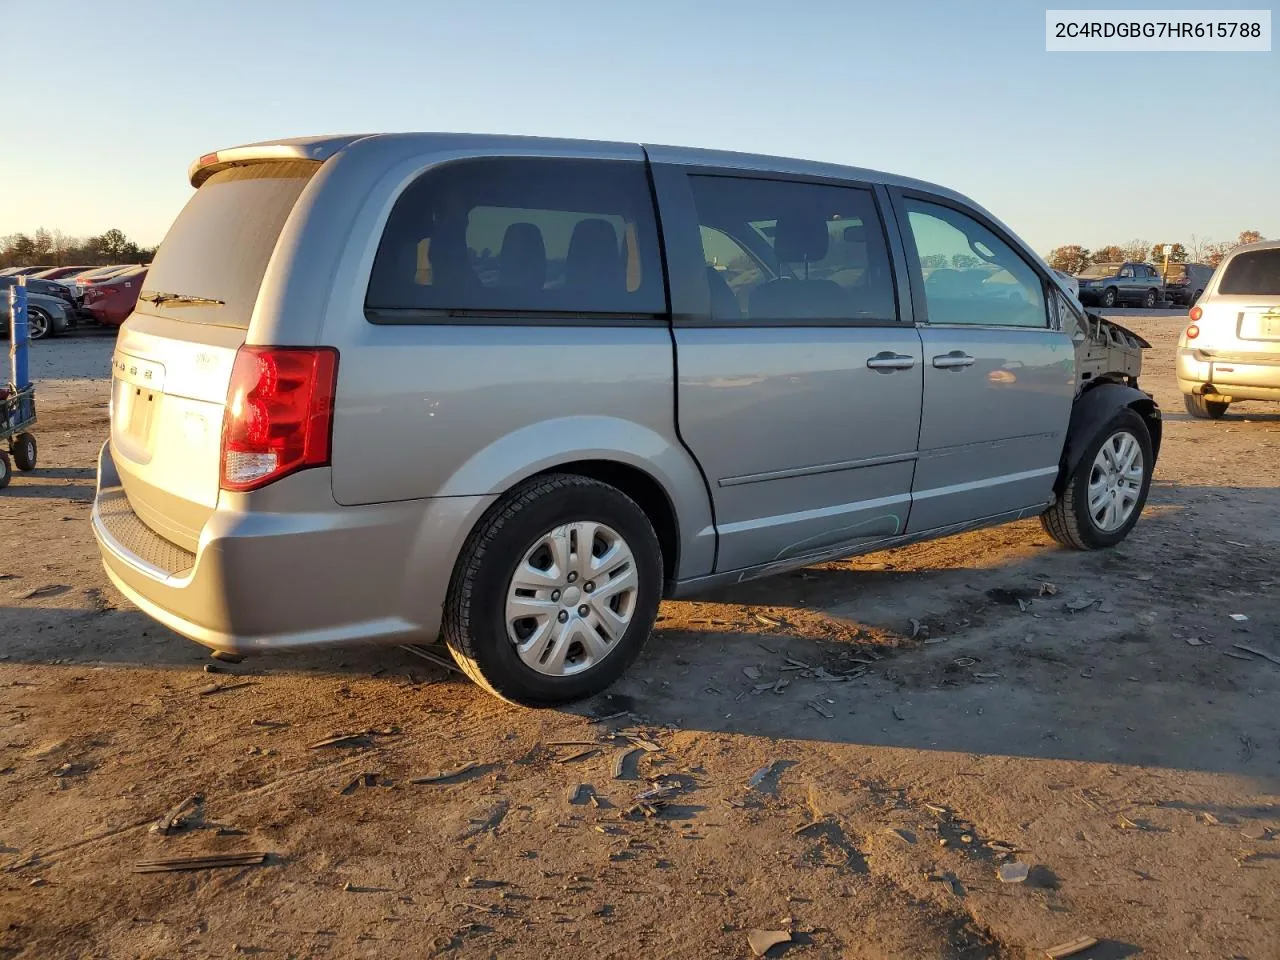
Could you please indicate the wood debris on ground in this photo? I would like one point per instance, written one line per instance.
(362, 739)
(213, 688)
(443, 775)
(365, 779)
(179, 816)
(209, 862)
(1071, 948)
(1261, 653)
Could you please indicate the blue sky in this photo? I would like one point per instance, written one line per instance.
(1086, 148)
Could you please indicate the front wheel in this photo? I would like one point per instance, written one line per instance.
(1109, 297)
(24, 451)
(6, 472)
(555, 592)
(1149, 301)
(1105, 494)
(1203, 409)
(39, 324)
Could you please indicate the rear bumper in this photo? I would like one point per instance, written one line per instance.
(286, 580)
(1198, 375)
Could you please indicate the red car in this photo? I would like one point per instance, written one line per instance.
(111, 301)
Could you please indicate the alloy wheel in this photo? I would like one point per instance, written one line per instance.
(1115, 482)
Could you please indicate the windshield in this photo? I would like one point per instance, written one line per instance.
(1101, 270)
(1254, 274)
(211, 264)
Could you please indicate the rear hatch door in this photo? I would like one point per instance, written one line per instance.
(173, 359)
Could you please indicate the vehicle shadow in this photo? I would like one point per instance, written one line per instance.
(89, 635)
(1231, 416)
(993, 643)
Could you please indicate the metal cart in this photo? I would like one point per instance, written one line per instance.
(18, 397)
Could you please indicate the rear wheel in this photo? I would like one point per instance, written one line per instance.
(1203, 409)
(1149, 301)
(24, 451)
(6, 472)
(555, 591)
(1109, 297)
(1104, 496)
(1196, 298)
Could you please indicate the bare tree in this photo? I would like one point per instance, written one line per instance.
(59, 244)
(42, 244)
(1198, 248)
(1137, 250)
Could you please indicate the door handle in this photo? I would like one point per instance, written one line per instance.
(953, 360)
(886, 362)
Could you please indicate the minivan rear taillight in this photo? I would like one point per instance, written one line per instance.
(279, 414)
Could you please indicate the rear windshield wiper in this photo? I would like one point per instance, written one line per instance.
(180, 300)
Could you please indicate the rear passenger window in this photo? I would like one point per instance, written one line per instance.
(522, 235)
(971, 276)
(783, 251)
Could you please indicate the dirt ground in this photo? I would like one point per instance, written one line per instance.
(932, 714)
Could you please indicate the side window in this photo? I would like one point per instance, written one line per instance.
(522, 235)
(971, 276)
(783, 251)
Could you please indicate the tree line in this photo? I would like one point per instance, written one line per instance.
(59, 250)
(1073, 258)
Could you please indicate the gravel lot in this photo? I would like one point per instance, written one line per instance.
(1126, 751)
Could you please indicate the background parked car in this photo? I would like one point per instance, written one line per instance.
(61, 273)
(1230, 350)
(81, 282)
(49, 288)
(111, 301)
(46, 316)
(24, 271)
(1185, 282)
(1109, 284)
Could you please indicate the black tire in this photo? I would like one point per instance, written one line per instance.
(474, 616)
(23, 449)
(1068, 521)
(1203, 409)
(39, 330)
(1110, 296)
(1149, 300)
(1196, 298)
(6, 472)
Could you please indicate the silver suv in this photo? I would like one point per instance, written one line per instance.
(1231, 348)
(515, 391)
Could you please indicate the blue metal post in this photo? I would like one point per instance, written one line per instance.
(18, 345)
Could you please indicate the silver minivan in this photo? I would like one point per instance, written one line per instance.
(515, 391)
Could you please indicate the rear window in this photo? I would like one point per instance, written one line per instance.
(219, 246)
(520, 235)
(1255, 274)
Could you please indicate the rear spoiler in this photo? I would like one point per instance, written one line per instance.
(310, 148)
